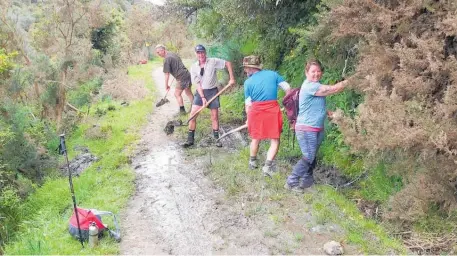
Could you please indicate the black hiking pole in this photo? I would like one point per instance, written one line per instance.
(63, 151)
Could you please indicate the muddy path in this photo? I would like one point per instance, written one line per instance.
(176, 209)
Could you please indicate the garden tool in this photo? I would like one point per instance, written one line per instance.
(164, 100)
(233, 131)
(169, 128)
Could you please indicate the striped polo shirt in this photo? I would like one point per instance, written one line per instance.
(209, 78)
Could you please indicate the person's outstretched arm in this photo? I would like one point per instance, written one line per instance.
(326, 90)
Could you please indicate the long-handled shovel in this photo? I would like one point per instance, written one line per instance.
(170, 127)
(233, 131)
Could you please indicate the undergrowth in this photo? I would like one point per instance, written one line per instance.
(105, 185)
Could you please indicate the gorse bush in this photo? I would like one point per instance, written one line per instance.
(6, 63)
(407, 74)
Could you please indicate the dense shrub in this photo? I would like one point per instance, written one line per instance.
(407, 74)
(83, 94)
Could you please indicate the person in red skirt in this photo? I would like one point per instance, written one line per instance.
(264, 117)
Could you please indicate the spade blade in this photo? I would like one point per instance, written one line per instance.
(162, 102)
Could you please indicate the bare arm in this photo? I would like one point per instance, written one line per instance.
(326, 90)
(285, 86)
(228, 65)
(200, 91)
(167, 77)
(247, 108)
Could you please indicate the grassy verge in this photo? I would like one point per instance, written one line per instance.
(326, 205)
(105, 185)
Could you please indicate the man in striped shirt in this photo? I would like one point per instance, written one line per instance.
(204, 75)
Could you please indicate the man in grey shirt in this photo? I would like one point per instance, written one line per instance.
(204, 76)
(173, 65)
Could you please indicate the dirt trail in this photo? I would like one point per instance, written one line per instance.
(177, 210)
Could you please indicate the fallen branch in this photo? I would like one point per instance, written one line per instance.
(73, 107)
(430, 243)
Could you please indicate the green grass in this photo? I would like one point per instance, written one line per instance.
(378, 186)
(331, 206)
(327, 205)
(105, 185)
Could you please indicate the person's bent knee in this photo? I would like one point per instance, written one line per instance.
(178, 92)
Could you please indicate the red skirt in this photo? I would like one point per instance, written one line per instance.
(265, 120)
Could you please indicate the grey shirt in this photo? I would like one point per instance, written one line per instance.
(173, 64)
(209, 78)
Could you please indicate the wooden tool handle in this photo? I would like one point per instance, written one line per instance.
(232, 131)
(208, 102)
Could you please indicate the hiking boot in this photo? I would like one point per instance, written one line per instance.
(216, 137)
(190, 139)
(295, 189)
(182, 111)
(306, 183)
(253, 165)
(268, 170)
(188, 144)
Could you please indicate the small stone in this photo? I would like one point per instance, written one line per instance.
(333, 248)
(317, 229)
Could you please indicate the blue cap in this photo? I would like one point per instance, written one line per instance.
(200, 48)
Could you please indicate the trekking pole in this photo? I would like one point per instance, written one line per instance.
(63, 151)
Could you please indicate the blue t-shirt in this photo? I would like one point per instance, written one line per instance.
(262, 86)
(312, 110)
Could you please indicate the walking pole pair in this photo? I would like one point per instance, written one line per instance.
(63, 151)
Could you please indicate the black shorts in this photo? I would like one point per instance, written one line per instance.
(209, 94)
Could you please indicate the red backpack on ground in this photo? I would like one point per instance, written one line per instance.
(290, 103)
(86, 216)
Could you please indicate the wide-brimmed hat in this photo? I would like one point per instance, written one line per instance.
(252, 61)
